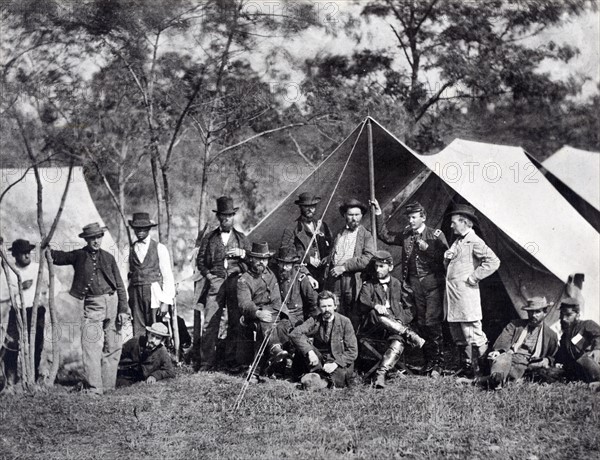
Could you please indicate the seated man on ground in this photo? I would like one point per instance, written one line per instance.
(383, 315)
(525, 345)
(579, 350)
(145, 358)
(333, 349)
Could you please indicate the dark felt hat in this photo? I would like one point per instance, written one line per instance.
(307, 199)
(225, 206)
(142, 220)
(464, 210)
(413, 207)
(21, 247)
(261, 250)
(352, 203)
(536, 303)
(570, 302)
(383, 256)
(92, 230)
(287, 254)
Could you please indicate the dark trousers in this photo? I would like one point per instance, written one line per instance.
(585, 368)
(344, 288)
(341, 377)
(139, 303)
(428, 292)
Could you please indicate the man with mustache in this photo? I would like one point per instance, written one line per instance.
(299, 236)
(352, 250)
(524, 345)
(579, 351)
(96, 280)
(333, 349)
(145, 359)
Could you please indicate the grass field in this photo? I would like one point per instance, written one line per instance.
(414, 417)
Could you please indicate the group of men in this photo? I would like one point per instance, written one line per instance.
(303, 307)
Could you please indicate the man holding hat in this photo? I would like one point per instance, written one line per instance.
(259, 301)
(145, 359)
(302, 298)
(220, 260)
(299, 236)
(384, 316)
(524, 345)
(352, 250)
(423, 271)
(579, 351)
(151, 282)
(468, 261)
(98, 283)
(9, 332)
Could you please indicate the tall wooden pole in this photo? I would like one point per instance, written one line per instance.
(372, 180)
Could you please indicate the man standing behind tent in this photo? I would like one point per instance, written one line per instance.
(352, 251)
(468, 261)
(220, 260)
(96, 279)
(423, 270)
(150, 275)
(300, 235)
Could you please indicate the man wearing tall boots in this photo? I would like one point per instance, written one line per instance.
(221, 260)
(151, 282)
(384, 316)
(423, 271)
(97, 281)
(468, 261)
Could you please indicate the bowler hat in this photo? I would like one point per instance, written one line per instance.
(91, 230)
(313, 381)
(464, 210)
(287, 254)
(413, 207)
(21, 247)
(225, 206)
(536, 303)
(142, 220)
(307, 199)
(260, 250)
(352, 203)
(159, 329)
(383, 256)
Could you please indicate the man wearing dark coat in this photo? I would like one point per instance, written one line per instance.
(294, 283)
(333, 349)
(385, 316)
(221, 260)
(352, 250)
(145, 358)
(524, 345)
(579, 351)
(98, 283)
(423, 272)
(300, 234)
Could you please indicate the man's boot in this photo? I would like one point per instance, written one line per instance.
(478, 357)
(466, 362)
(397, 327)
(389, 360)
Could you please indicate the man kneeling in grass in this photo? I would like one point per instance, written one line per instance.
(145, 358)
(333, 349)
(525, 345)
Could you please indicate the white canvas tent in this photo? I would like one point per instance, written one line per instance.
(18, 219)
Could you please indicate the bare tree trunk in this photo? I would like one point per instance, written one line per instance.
(53, 319)
(202, 220)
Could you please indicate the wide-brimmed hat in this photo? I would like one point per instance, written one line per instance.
(225, 206)
(159, 329)
(383, 256)
(313, 381)
(570, 302)
(287, 254)
(261, 251)
(307, 199)
(91, 230)
(413, 207)
(21, 247)
(142, 220)
(352, 203)
(536, 303)
(464, 210)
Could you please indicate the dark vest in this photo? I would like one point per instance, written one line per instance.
(147, 272)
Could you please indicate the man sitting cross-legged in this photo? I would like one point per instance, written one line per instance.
(384, 316)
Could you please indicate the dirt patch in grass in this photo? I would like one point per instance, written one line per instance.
(191, 417)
